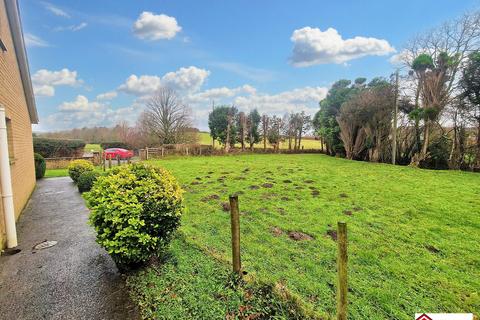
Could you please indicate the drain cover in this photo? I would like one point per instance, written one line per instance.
(44, 245)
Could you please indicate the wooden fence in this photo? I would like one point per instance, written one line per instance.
(63, 162)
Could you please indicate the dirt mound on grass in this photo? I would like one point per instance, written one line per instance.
(267, 185)
(332, 234)
(276, 231)
(211, 197)
(226, 206)
(254, 187)
(299, 236)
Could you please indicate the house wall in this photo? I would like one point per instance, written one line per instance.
(12, 97)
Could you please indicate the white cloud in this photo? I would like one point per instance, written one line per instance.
(401, 57)
(256, 74)
(55, 10)
(217, 94)
(73, 27)
(44, 81)
(150, 26)
(188, 79)
(34, 41)
(313, 46)
(81, 103)
(107, 95)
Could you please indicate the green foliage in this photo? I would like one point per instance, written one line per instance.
(77, 167)
(422, 62)
(253, 120)
(114, 144)
(218, 121)
(438, 154)
(470, 82)
(86, 180)
(50, 148)
(135, 210)
(40, 166)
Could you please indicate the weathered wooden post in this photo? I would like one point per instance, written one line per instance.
(186, 150)
(109, 161)
(235, 223)
(129, 161)
(162, 152)
(342, 259)
(146, 153)
(104, 161)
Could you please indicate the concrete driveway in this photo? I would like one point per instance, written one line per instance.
(75, 279)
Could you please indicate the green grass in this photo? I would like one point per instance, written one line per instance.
(54, 173)
(307, 143)
(413, 234)
(89, 147)
(187, 284)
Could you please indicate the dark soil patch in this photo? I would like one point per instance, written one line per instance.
(315, 193)
(195, 183)
(254, 187)
(209, 172)
(268, 172)
(332, 234)
(198, 178)
(240, 178)
(211, 197)
(268, 196)
(343, 195)
(287, 181)
(246, 170)
(269, 178)
(299, 188)
(281, 211)
(312, 188)
(225, 172)
(222, 179)
(226, 206)
(208, 177)
(432, 249)
(238, 193)
(299, 236)
(267, 185)
(276, 231)
(347, 212)
(309, 181)
(356, 209)
(285, 198)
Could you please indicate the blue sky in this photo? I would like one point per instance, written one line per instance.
(97, 62)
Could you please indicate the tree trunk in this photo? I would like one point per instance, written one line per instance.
(227, 142)
(426, 140)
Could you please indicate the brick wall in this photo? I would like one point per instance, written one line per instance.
(12, 97)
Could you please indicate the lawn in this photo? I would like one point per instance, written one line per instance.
(90, 147)
(54, 173)
(414, 237)
(307, 143)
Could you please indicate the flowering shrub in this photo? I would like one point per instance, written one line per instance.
(77, 167)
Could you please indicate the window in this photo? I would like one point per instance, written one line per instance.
(11, 152)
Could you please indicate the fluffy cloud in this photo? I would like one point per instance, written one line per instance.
(185, 79)
(107, 95)
(44, 81)
(34, 41)
(81, 103)
(150, 26)
(313, 46)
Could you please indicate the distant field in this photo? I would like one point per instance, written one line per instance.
(306, 143)
(413, 234)
(89, 147)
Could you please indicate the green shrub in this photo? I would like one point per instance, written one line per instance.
(135, 210)
(114, 144)
(86, 180)
(40, 165)
(51, 148)
(77, 167)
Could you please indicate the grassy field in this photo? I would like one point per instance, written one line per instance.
(89, 147)
(413, 234)
(54, 173)
(306, 143)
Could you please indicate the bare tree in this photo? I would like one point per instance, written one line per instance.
(167, 117)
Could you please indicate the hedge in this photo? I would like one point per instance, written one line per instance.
(51, 148)
(40, 166)
(114, 144)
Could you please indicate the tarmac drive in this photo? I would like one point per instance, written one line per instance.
(75, 279)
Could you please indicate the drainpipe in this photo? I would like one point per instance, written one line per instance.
(6, 184)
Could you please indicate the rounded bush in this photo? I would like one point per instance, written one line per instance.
(40, 165)
(77, 167)
(135, 210)
(86, 180)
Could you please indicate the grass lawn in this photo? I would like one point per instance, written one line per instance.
(414, 237)
(89, 147)
(188, 284)
(54, 173)
(306, 143)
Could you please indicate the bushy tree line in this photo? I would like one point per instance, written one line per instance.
(434, 98)
(228, 126)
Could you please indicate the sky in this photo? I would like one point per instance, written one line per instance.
(96, 63)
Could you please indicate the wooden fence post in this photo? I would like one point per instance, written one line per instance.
(342, 259)
(119, 161)
(162, 152)
(187, 151)
(235, 223)
(129, 161)
(103, 161)
(146, 153)
(109, 161)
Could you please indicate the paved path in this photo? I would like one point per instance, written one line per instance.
(75, 279)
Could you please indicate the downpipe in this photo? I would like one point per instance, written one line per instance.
(6, 184)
